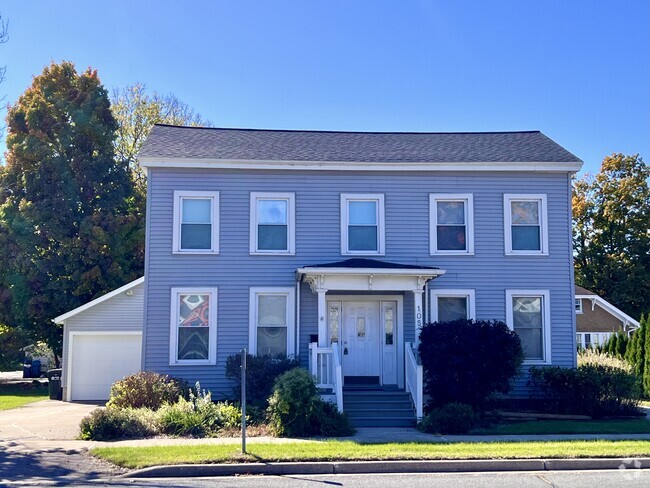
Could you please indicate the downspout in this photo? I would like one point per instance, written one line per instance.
(298, 316)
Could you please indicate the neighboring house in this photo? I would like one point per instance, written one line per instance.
(597, 319)
(338, 246)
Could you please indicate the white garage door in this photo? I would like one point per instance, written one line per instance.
(97, 361)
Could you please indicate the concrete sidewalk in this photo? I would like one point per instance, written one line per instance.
(41, 436)
(52, 424)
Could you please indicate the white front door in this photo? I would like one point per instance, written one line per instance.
(361, 339)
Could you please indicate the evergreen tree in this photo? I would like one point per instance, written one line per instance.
(69, 226)
(630, 353)
(646, 360)
(639, 356)
(621, 344)
(612, 344)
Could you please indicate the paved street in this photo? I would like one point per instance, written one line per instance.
(573, 479)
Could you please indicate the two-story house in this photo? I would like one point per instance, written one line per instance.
(338, 246)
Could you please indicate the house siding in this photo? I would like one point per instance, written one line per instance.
(317, 195)
(121, 313)
(596, 320)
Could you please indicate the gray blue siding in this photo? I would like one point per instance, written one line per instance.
(234, 271)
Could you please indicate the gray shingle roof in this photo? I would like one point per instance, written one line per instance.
(364, 263)
(378, 147)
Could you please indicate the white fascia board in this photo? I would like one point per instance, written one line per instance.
(619, 314)
(97, 301)
(538, 167)
(370, 271)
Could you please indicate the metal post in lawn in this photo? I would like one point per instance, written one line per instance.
(243, 401)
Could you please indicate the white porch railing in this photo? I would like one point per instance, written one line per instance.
(413, 374)
(338, 377)
(325, 366)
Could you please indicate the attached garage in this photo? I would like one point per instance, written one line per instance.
(102, 343)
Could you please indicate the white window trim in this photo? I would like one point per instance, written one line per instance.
(507, 219)
(287, 291)
(456, 293)
(173, 330)
(176, 239)
(546, 320)
(468, 199)
(290, 198)
(381, 238)
(577, 305)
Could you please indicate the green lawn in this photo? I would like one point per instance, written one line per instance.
(140, 457)
(627, 426)
(13, 396)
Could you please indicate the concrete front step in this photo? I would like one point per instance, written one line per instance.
(401, 413)
(383, 422)
(378, 407)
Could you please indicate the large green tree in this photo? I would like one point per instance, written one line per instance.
(611, 240)
(70, 228)
(136, 111)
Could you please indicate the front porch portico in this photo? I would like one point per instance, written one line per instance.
(361, 323)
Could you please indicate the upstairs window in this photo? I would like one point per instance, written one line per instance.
(528, 314)
(526, 228)
(451, 219)
(196, 222)
(272, 223)
(362, 224)
(578, 305)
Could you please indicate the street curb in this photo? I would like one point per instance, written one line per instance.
(368, 467)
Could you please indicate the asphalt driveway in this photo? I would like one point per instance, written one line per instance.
(37, 443)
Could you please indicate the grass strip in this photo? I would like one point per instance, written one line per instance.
(12, 396)
(141, 457)
(627, 426)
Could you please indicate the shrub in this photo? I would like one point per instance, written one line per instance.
(296, 409)
(597, 358)
(146, 390)
(597, 390)
(467, 361)
(261, 373)
(452, 418)
(198, 416)
(112, 423)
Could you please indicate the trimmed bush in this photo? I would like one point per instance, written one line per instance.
(146, 390)
(467, 361)
(452, 418)
(296, 409)
(112, 423)
(596, 390)
(261, 373)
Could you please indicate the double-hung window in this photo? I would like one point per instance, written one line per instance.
(272, 223)
(193, 331)
(528, 314)
(451, 222)
(196, 222)
(362, 224)
(578, 305)
(448, 305)
(526, 224)
(272, 313)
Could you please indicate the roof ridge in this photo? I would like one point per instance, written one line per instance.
(345, 131)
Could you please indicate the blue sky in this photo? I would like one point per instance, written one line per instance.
(578, 70)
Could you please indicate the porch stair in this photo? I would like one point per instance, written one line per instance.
(374, 406)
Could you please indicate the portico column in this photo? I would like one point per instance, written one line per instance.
(418, 313)
(322, 318)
